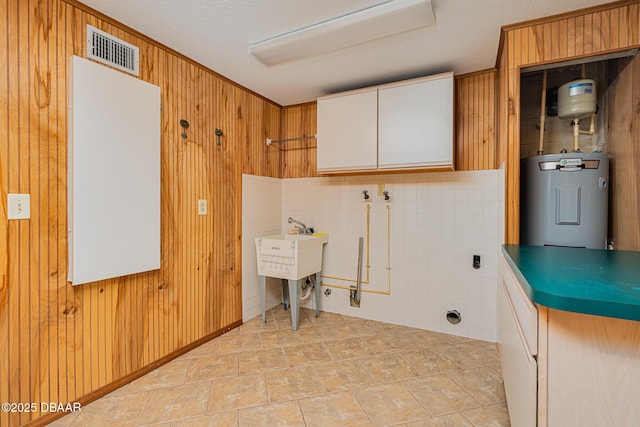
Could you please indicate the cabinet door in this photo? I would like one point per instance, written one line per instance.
(416, 123)
(347, 131)
(519, 368)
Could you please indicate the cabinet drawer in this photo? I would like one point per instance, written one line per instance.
(525, 311)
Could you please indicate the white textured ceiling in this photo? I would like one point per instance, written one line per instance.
(217, 33)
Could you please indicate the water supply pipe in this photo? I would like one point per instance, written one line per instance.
(543, 114)
(576, 135)
(592, 126)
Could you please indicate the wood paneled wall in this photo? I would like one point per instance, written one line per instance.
(594, 31)
(298, 158)
(623, 146)
(60, 343)
(475, 121)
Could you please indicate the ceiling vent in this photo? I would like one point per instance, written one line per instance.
(110, 50)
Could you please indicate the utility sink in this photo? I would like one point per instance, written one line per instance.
(290, 256)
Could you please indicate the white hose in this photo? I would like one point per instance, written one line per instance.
(307, 292)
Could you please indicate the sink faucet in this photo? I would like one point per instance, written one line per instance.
(303, 228)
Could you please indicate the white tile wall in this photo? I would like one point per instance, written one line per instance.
(438, 221)
(261, 216)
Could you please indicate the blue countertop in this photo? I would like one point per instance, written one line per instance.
(590, 281)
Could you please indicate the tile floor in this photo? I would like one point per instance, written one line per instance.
(334, 371)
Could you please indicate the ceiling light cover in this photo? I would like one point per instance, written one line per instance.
(384, 20)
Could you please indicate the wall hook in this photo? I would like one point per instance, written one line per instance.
(366, 194)
(185, 126)
(386, 195)
(218, 133)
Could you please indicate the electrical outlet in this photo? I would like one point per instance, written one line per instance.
(202, 206)
(476, 261)
(18, 206)
(380, 189)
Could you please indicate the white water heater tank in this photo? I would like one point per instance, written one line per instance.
(577, 99)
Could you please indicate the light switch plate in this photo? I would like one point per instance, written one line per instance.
(202, 206)
(18, 206)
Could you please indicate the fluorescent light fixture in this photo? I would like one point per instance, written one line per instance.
(376, 22)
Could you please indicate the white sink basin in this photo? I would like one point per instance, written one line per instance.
(290, 256)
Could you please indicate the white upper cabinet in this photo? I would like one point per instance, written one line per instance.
(415, 123)
(404, 125)
(347, 131)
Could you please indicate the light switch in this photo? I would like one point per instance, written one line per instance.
(18, 206)
(202, 206)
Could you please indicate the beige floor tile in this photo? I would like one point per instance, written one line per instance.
(293, 383)
(482, 383)
(207, 349)
(377, 344)
(222, 419)
(212, 367)
(429, 362)
(489, 416)
(468, 356)
(280, 338)
(279, 312)
(169, 375)
(342, 375)
(356, 327)
(430, 340)
(392, 329)
(252, 362)
(456, 340)
(390, 404)
(440, 394)
(387, 367)
(349, 348)
(173, 403)
(306, 354)
(285, 322)
(336, 409)
(489, 347)
(319, 333)
(326, 318)
(236, 393)
(238, 343)
(400, 341)
(334, 366)
(122, 410)
(64, 421)
(285, 414)
(308, 312)
(451, 420)
(257, 325)
(497, 369)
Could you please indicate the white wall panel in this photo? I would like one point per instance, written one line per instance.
(114, 173)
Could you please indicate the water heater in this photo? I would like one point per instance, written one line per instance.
(564, 200)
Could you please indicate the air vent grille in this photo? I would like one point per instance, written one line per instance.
(110, 50)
